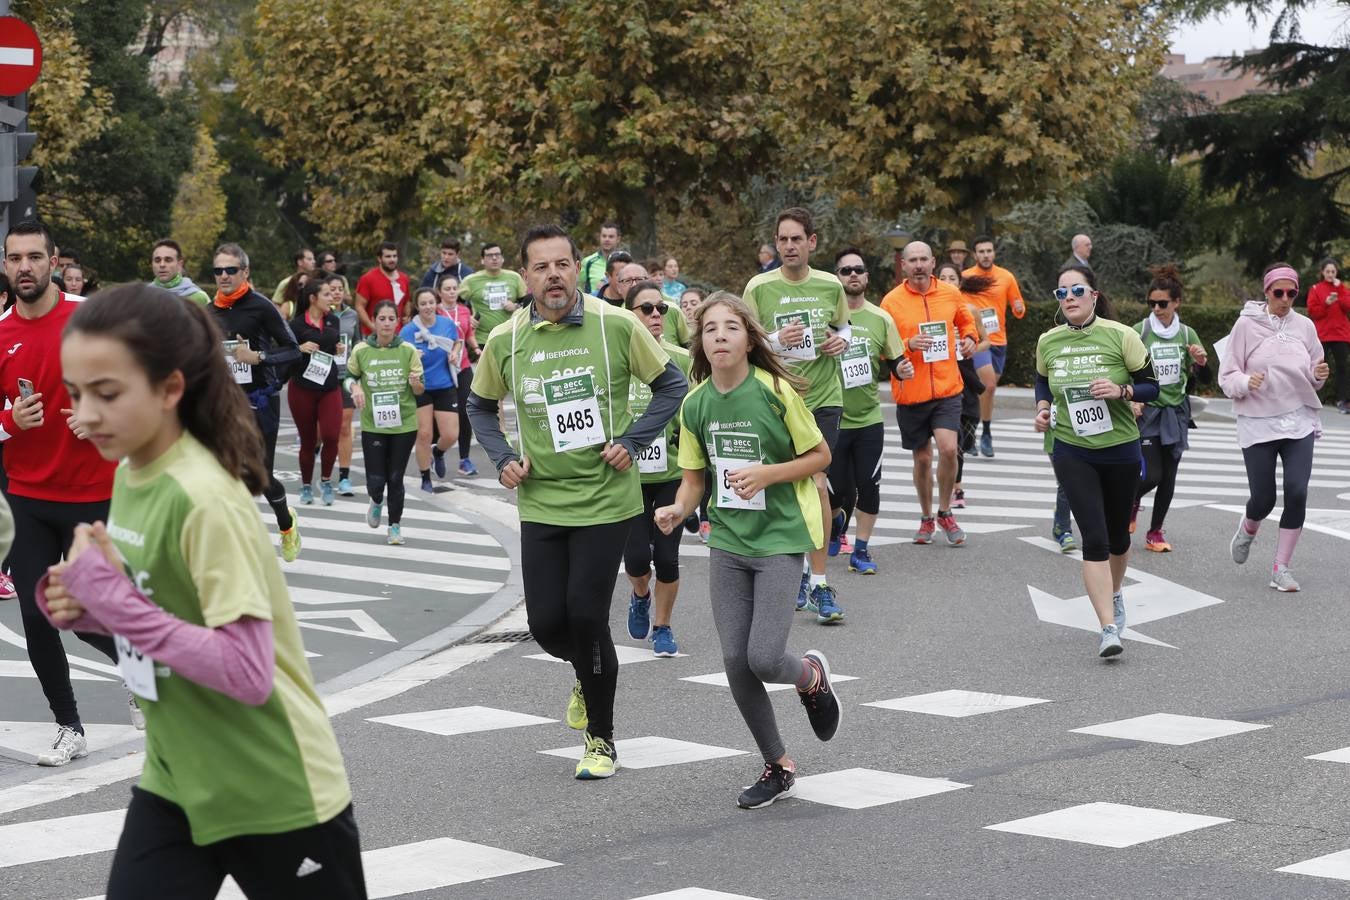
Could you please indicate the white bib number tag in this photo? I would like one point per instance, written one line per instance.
(652, 459)
(573, 413)
(1087, 414)
(941, 348)
(340, 360)
(496, 295)
(856, 363)
(387, 410)
(1167, 363)
(136, 669)
(989, 319)
(319, 368)
(734, 452)
(242, 372)
(805, 349)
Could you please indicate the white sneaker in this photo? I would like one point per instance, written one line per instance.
(137, 715)
(69, 744)
(1281, 579)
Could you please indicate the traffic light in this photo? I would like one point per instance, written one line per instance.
(18, 200)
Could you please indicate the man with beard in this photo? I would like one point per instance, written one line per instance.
(57, 479)
(568, 359)
(384, 282)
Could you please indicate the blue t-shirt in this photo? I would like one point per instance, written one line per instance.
(435, 355)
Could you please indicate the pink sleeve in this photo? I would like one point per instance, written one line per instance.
(236, 659)
(1232, 380)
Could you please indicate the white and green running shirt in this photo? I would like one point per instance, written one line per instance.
(1072, 359)
(818, 301)
(874, 340)
(656, 463)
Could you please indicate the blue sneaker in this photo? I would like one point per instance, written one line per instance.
(860, 561)
(803, 593)
(345, 487)
(986, 444)
(663, 641)
(836, 535)
(467, 468)
(306, 495)
(822, 603)
(326, 491)
(438, 462)
(639, 616)
(373, 513)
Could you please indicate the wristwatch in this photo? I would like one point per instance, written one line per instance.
(262, 356)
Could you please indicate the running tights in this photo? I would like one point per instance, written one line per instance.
(569, 574)
(646, 543)
(855, 470)
(318, 417)
(462, 384)
(386, 457)
(752, 604)
(1160, 471)
(1297, 455)
(43, 530)
(1337, 352)
(968, 424)
(1101, 497)
(268, 416)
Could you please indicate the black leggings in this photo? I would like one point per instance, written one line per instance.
(1339, 351)
(386, 457)
(1101, 496)
(157, 858)
(268, 416)
(646, 543)
(1297, 456)
(1160, 471)
(968, 425)
(43, 530)
(463, 383)
(569, 575)
(855, 470)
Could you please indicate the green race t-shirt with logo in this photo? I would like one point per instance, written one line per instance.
(656, 464)
(1072, 359)
(391, 405)
(861, 366)
(486, 293)
(1171, 361)
(820, 297)
(753, 422)
(193, 543)
(571, 385)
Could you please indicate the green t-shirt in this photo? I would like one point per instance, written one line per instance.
(194, 544)
(1171, 361)
(874, 339)
(657, 463)
(777, 302)
(391, 405)
(1072, 359)
(571, 385)
(485, 294)
(753, 422)
(676, 326)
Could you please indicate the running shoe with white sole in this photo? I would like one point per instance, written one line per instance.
(69, 745)
(987, 444)
(925, 533)
(860, 561)
(307, 495)
(1281, 579)
(1109, 645)
(1066, 541)
(804, 592)
(1241, 544)
(467, 468)
(776, 783)
(396, 535)
(345, 487)
(576, 716)
(663, 642)
(947, 522)
(639, 617)
(326, 492)
(824, 602)
(7, 590)
(290, 539)
(958, 499)
(600, 760)
(822, 705)
(137, 714)
(1118, 611)
(373, 514)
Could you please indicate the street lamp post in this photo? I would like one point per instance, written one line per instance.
(898, 238)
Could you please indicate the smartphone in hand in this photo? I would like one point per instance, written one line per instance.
(25, 388)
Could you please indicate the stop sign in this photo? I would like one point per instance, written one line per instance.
(20, 56)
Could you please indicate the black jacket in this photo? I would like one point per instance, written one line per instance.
(258, 321)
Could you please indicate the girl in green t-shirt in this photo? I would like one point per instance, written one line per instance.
(385, 378)
(746, 423)
(242, 772)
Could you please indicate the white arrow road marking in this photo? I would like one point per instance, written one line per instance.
(1149, 599)
(365, 623)
(9, 636)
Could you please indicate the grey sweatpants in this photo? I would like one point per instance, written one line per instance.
(753, 599)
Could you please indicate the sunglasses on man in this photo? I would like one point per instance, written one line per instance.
(846, 271)
(225, 270)
(648, 308)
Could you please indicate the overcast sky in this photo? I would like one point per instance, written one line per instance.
(1230, 33)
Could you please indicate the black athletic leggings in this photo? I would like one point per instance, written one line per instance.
(1338, 351)
(1101, 496)
(1160, 471)
(968, 426)
(463, 383)
(1297, 456)
(855, 470)
(386, 457)
(43, 530)
(569, 575)
(268, 415)
(646, 543)
(157, 858)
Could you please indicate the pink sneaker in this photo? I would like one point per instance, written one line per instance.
(844, 545)
(7, 591)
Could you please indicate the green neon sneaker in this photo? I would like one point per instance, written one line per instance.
(601, 760)
(290, 539)
(576, 709)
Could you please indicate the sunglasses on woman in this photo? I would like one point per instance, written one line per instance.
(648, 308)
(1078, 290)
(1281, 293)
(1159, 304)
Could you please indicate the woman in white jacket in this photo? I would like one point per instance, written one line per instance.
(1272, 369)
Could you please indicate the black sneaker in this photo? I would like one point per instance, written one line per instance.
(822, 706)
(775, 784)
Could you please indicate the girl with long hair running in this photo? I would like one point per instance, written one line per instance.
(314, 396)
(447, 292)
(438, 344)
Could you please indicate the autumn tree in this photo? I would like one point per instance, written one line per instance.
(960, 110)
(199, 208)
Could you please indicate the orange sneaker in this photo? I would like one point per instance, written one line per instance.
(1156, 542)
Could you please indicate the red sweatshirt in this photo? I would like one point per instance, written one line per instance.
(1330, 318)
(49, 462)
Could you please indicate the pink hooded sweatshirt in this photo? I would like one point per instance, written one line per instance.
(1285, 348)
